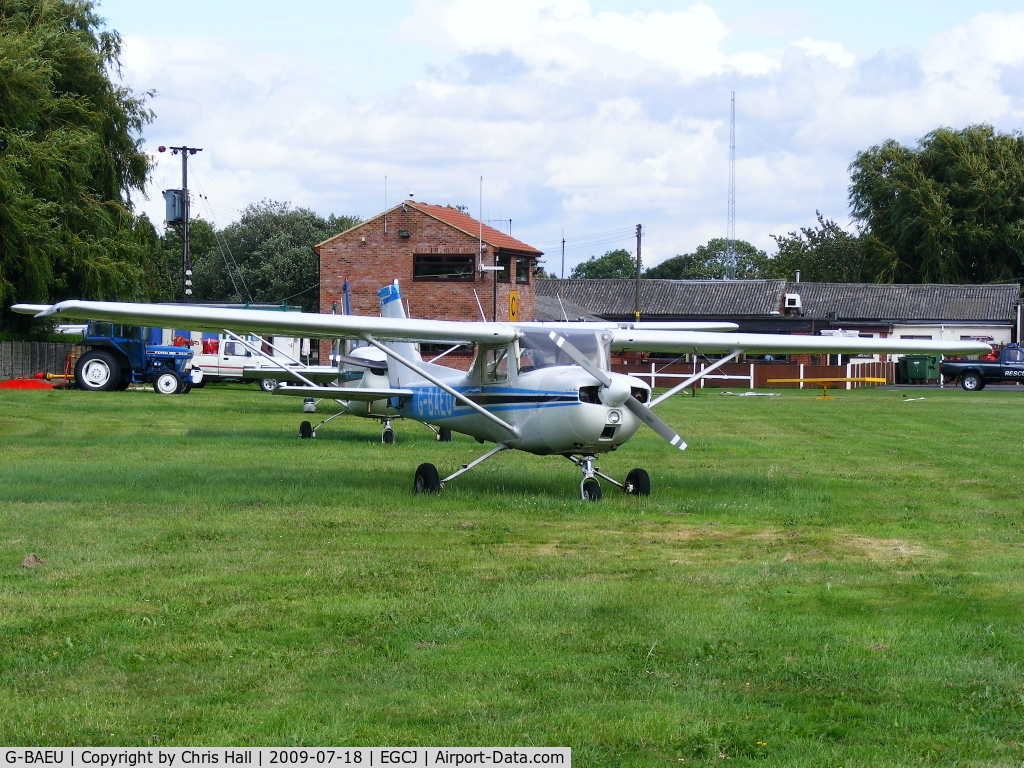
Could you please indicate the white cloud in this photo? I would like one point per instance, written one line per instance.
(578, 120)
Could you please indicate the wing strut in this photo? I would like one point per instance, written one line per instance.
(696, 377)
(514, 431)
(269, 358)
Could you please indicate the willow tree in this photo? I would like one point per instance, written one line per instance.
(69, 158)
(950, 210)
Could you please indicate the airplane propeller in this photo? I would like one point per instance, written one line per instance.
(612, 393)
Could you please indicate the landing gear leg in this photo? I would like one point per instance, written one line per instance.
(590, 489)
(387, 435)
(423, 482)
(307, 431)
(638, 483)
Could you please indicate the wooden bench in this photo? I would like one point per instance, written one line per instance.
(826, 382)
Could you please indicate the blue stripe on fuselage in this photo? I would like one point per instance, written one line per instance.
(428, 403)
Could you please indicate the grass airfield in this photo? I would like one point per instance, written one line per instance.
(811, 583)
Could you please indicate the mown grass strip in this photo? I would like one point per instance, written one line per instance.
(812, 582)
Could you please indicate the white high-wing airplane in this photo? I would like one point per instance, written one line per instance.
(542, 388)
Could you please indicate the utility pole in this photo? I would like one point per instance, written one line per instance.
(730, 224)
(563, 254)
(636, 308)
(178, 208)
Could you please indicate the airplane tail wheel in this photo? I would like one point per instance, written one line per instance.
(426, 480)
(305, 430)
(387, 436)
(638, 483)
(444, 435)
(590, 490)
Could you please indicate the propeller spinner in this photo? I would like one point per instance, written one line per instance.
(611, 393)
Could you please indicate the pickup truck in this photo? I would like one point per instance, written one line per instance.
(222, 358)
(1003, 364)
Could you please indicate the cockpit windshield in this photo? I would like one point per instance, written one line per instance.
(537, 350)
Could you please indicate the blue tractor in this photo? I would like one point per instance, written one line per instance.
(119, 355)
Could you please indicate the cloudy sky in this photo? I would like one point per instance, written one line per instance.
(582, 118)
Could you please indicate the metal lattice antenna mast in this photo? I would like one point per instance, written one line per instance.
(730, 226)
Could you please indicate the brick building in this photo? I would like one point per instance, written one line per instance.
(437, 254)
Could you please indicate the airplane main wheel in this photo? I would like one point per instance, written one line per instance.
(387, 436)
(444, 435)
(638, 483)
(305, 430)
(98, 371)
(426, 480)
(590, 490)
(167, 384)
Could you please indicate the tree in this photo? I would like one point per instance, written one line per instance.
(614, 264)
(266, 256)
(711, 262)
(824, 254)
(69, 157)
(950, 210)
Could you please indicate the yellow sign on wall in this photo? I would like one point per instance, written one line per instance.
(513, 306)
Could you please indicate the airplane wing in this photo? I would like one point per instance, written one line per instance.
(627, 340)
(274, 323)
(682, 325)
(640, 339)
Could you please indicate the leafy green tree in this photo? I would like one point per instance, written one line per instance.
(823, 254)
(950, 210)
(614, 264)
(69, 157)
(711, 262)
(265, 257)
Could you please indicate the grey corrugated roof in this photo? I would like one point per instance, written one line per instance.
(720, 298)
(550, 309)
(869, 301)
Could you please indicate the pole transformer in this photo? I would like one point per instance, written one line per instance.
(178, 214)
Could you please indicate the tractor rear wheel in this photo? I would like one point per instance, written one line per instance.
(98, 371)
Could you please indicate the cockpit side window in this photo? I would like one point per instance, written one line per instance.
(494, 365)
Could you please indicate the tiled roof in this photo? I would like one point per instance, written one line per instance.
(453, 218)
(867, 301)
(724, 299)
(718, 298)
(471, 226)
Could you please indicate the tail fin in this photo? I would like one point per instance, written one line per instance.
(391, 306)
(391, 301)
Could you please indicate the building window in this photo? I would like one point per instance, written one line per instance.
(443, 267)
(502, 275)
(523, 270)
